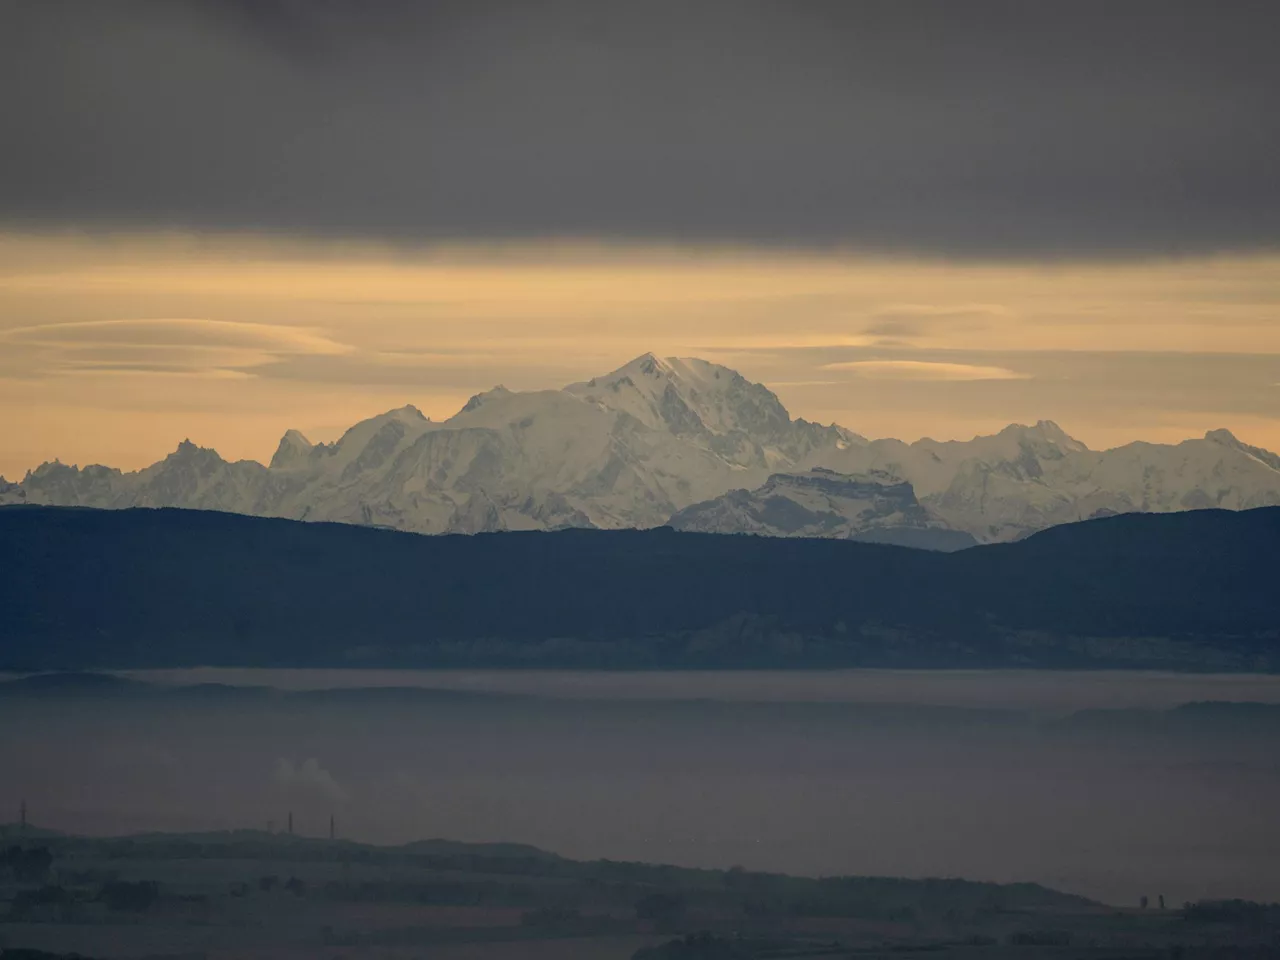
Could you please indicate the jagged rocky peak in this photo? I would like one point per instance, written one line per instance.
(1044, 432)
(188, 451)
(48, 467)
(480, 399)
(188, 458)
(293, 451)
(56, 468)
(1223, 436)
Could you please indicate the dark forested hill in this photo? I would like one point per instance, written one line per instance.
(85, 588)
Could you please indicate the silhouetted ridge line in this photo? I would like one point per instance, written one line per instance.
(86, 589)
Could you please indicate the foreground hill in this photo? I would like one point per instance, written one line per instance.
(488, 860)
(253, 893)
(149, 588)
(657, 436)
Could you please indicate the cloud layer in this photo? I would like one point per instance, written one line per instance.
(988, 128)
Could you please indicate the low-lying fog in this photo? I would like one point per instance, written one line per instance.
(1078, 781)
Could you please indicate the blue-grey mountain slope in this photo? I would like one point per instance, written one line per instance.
(874, 507)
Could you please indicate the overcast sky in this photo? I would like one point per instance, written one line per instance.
(912, 217)
(963, 128)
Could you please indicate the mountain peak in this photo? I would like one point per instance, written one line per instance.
(188, 452)
(688, 397)
(649, 364)
(683, 369)
(187, 449)
(1223, 436)
(409, 415)
(1044, 431)
(480, 398)
(292, 451)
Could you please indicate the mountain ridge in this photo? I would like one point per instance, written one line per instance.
(637, 447)
(93, 589)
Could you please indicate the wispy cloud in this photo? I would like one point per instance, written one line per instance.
(911, 320)
(924, 370)
(195, 346)
(181, 331)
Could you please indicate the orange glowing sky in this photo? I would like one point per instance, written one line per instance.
(113, 347)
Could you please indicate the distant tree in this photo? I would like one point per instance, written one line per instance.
(1143, 903)
(1162, 901)
(295, 886)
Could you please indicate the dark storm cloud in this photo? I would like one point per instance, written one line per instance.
(1078, 128)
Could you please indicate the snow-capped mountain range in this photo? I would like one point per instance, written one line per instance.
(682, 441)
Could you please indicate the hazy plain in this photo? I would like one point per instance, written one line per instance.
(1089, 782)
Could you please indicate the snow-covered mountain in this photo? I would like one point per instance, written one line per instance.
(1026, 478)
(645, 442)
(624, 450)
(875, 507)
